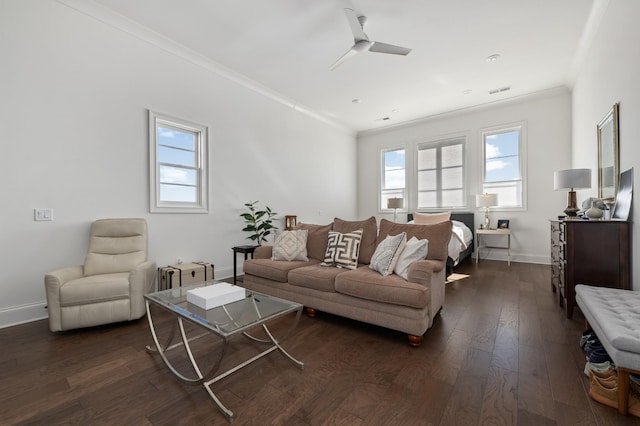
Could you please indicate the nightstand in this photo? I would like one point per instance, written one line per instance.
(501, 232)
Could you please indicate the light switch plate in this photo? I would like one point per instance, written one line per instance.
(43, 214)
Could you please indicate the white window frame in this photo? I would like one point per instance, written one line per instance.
(452, 140)
(201, 205)
(383, 192)
(522, 151)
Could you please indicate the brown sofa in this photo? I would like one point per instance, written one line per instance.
(363, 294)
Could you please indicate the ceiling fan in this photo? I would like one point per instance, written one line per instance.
(362, 42)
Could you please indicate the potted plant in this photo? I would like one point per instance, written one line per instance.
(258, 222)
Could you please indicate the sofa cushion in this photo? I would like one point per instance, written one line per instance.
(413, 251)
(317, 239)
(365, 283)
(273, 270)
(430, 218)
(316, 277)
(369, 232)
(438, 235)
(387, 253)
(291, 245)
(343, 249)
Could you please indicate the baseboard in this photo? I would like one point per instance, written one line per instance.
(500, 254)
(15, 315)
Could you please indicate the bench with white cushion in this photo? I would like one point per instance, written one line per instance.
(614, 315)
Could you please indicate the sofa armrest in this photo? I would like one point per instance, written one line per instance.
(141, 281)
(420, 272)
(263, 252)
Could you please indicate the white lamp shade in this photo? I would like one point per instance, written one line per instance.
(572, 179)
(486, 200)
(394, 203)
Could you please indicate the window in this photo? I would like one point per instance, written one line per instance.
(393, 182)
(441, 174)
(502, 165)
(178, 165)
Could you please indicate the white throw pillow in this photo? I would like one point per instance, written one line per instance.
(343, 249)
(414, 250)
(291, 245)
(386, 255)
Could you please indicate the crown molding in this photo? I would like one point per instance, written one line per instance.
(134, 29)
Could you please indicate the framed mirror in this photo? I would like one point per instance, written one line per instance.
(608, 155)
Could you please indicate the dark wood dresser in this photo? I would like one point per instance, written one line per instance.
(593, 252)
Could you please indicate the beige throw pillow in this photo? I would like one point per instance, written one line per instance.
(387, 253)
(413, 251)
(430, 218)
(291, 245)
(343, 249)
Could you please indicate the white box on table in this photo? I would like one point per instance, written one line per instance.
(219, 294)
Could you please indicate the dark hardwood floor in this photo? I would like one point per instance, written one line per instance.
(501, 353)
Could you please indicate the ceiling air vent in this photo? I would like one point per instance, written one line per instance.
(502, 89)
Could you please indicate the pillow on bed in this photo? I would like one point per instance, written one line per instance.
(430, 218)
(413, 251)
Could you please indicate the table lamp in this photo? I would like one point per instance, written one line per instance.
(486, 201)
(571, 179)
(395, 204)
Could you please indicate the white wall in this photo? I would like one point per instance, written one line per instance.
(610, 74)
(548, 122)
(74, 95)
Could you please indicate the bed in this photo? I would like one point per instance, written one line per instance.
(461, 243)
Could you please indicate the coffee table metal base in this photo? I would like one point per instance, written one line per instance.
(208, 379)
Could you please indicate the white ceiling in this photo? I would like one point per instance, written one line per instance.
(289, 45)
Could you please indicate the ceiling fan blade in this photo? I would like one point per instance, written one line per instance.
(378, 47)
(351, 52)
(356, 26)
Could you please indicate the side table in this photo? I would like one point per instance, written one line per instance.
(246, 250)
(503, 232)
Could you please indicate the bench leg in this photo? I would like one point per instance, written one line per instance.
(623, 390)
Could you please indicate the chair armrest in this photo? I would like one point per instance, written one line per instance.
(56, 279)
(53, 281)
(142, 280)
(263, 252)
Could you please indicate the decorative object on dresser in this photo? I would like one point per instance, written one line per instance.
(595, 212)
(395, 204)
(486, 201)
(624, 196)
(591, 252)
(571, 179)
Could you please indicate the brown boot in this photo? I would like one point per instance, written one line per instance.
(606, 392)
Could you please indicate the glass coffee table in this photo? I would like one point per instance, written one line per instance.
(226, 321)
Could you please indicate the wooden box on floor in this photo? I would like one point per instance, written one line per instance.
(173, 276)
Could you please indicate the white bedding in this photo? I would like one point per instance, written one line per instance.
(461, 237)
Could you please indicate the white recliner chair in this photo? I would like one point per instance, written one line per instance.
(110, 286)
